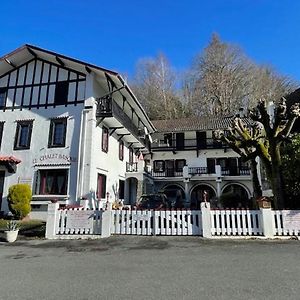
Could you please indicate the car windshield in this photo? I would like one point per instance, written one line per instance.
(151, 201)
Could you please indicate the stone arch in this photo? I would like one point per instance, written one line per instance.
(175, 195)
(235, 195)
(197, 194)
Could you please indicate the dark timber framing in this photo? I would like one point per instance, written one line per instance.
(36, 83)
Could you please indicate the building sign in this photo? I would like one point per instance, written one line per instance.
(54, 157)
(80, 219)
(291, 220)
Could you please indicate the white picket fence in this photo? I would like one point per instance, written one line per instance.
(78, 221)
(235, 222)
(84, 223)
(156, 222)
(287, 222)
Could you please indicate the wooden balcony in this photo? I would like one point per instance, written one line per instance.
(108, 108)
(189, 144)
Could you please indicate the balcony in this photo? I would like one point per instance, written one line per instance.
(131, 167)
(237, 171)
(189, 144)
(108, 108)
(234, 171)
(167, 173)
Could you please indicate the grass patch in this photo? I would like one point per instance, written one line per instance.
(28, 229)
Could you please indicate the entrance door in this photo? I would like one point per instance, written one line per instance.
(2, 175)
(170, 168)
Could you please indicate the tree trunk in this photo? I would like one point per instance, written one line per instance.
(257, 191)
(278, 187)
(277, 177)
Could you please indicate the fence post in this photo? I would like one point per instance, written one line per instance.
(267, 222)
(106, 223)
(206, 219)
(52, 214)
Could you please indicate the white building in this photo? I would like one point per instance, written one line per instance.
(185, 162)
(77, 135)
(67, 128)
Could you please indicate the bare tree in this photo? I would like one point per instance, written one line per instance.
(154, 84)
(222, 80)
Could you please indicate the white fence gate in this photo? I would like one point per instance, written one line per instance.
(156, 222)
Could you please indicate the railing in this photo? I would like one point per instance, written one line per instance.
(167, 173)
(131, 167)
(198, 170)
(104, 108)
(189, 144)
(107, 107)
(237, 171)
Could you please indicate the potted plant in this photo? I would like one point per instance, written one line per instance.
(12, 230)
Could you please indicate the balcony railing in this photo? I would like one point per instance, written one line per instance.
(198, 170)
(167, 173)
(189, 144)
(107, 107)
(237, 171)
(131, 167)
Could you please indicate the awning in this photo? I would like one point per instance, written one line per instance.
(10, 162)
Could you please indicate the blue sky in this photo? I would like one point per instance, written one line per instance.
(115, 34)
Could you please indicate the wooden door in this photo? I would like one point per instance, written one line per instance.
(170, 170)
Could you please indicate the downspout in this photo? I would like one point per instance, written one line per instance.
(81, 155)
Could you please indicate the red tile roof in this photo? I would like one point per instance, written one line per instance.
(11, 159)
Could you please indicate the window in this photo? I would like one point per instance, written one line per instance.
(201, 140)
(57, 133)
(168, 139)
(121, 150)
(130, 156)
(53, 182)
(3, 93)
(23, 135)
(211, 163)
(61, 93)
(179, 164)
(159, 166)
(1, 131)
(121, 189)
(180, 141)
(105, 137)
(101, 186)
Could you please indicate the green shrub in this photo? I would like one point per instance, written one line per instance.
(19, 197)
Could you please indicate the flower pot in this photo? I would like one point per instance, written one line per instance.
(11, 235)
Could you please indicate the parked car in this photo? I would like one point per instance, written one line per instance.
(152, 201)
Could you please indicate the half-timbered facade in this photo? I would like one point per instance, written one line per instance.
(68, 128)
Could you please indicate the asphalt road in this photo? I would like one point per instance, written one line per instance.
(131, 267)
